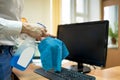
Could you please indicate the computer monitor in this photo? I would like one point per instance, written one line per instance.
(86, 42)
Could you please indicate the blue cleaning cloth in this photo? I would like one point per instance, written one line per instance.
(52, 52)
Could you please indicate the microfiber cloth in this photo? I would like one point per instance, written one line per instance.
(52, 51)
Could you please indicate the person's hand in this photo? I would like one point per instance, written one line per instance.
(47, 34)
(34, 30)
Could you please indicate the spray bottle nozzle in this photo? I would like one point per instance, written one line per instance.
(41, 25)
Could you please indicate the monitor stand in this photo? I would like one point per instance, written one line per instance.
(80, 68)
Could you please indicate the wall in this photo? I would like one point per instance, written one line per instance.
(37, 11)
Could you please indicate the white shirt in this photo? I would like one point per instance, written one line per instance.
(10, 26)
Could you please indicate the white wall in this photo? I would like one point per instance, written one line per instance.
(37, 11)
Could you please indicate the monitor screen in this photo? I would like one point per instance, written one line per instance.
(86, 42)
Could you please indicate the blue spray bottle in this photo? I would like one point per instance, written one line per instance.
(24, 54)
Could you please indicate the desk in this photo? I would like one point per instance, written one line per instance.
(105, 74)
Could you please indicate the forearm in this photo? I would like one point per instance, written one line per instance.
(10, 27)
(25, 28)
(13, 28)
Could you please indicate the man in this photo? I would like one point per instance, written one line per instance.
(10, 28)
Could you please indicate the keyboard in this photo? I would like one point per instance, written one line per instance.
(65, 74)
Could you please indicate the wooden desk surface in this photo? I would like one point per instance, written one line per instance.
(105, 74)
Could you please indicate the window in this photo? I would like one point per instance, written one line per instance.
(65, 12)
(81, 10)
(111, 14)
(74, 11)
(110, 10)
